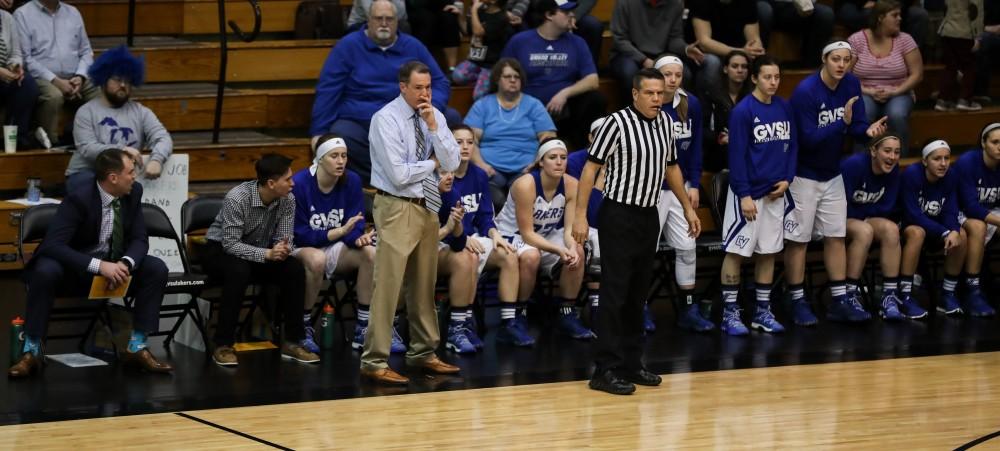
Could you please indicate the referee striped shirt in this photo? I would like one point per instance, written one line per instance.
(637, 151)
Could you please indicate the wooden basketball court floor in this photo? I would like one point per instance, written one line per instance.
(937, 402)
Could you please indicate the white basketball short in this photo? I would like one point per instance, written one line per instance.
(487, 244)
(548, 260)
(673, 224)
(991, 230)
(333, 253)
(820, 210)
(761, 236)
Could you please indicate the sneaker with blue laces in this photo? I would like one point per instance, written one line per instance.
(976, 305)
(802, 314)
(397, 346)
(763, 319)
(890, 307)
(570, 324)
(647, 320)
(949, 304)
(470, 332)
(731, 322)
(692, 320)
(847, 310)
(360, 328)
(309, 342)
(512, 332)
(458, 341)
(910, 308)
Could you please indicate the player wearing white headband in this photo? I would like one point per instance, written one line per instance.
(535, 222)
(929, 198)
(330, 230)
(979, 199)
(827, 110)
(685, 111)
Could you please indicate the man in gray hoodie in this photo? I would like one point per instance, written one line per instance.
(113, 120)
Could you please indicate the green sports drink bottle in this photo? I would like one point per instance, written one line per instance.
(326, 327)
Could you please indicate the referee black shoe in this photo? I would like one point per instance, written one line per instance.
(641, 377)
(608, 381)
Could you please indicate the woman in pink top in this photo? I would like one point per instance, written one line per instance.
(889, 65)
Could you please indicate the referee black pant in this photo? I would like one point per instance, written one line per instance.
(628, 237)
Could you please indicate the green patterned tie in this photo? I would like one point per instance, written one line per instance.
(117, 232)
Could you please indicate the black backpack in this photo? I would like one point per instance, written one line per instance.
(319, 19)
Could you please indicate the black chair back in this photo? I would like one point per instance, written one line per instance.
(720, 187)
(34, 224)
(199, 212)
(158, 225)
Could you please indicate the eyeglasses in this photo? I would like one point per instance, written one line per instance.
(511, 77)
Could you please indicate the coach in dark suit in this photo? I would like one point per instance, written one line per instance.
(98, 229)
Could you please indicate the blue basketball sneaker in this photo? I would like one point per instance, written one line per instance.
(692, 320)
(949, 304)
(911, 308)
(763, 319)
(976, 305)
(570, 324)
(889, 310)
(397, 347)
(309, 342)
(647, 319)
(470, 332)
(360, 328)
(513, 332)
(458, 341)
(802, 314)
(847, 310)
(731, 322)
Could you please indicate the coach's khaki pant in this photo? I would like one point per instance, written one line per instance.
(50, 105)
(405, 257)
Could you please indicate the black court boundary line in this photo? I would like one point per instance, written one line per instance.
(232, 431)
(978, 441)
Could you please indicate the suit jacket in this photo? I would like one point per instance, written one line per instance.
(77, 226)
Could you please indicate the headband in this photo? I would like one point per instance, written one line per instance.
(324, 149)
(837, 46)
(880, 140)
(596, 125)
(669, 59)
(988, 129)
(549, 145)
(934, 145)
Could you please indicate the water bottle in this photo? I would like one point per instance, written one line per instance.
(326, 327)
(16, 339)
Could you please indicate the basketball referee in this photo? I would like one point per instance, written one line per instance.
(637, 146)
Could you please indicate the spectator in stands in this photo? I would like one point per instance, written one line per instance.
(251, 241)
(560, 70)
(114, 120)
(890, 66)
(484, 248)
(762, 154)
(929, 197)
(535, 222)
(97, 230)
(871, 184)
(410, 141)
(359, 15)
(508, 123)
(359, 77)
(988, 55)
(58, 65)
(810, 21)
(435, 24)
(489, 30)
(330, 232)
(720, 27)
(642, 30)
(729, 89)
(685, 114)
(961, 36)
(854, 14)
(18, 92)
(574, 168)
(979, 198)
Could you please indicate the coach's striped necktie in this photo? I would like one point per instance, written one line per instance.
(432, 197)
(3, 48)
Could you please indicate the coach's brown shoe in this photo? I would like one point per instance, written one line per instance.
(436, 365)
(28, 365)
(385, 376)
(298, 353)
(144, 360)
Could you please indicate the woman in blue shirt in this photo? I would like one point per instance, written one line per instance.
(979, 199)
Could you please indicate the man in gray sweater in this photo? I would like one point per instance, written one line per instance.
(113, 120)
(644, 30)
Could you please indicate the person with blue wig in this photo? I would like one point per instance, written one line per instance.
(114, 120)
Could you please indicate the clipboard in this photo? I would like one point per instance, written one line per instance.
(99, 288)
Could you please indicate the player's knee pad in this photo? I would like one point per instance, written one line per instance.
(684, 267)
